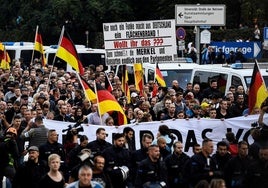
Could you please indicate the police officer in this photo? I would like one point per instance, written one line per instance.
(176, 165)
(258, 171)
(221, 157)
(52, 147)
(140, 154)
(117, 162)
(201, 164)
(100, 144)
(236, 167)
(152, 172)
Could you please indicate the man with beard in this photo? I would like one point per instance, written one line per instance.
(117, 162)
(30, 173)
(258, 171)
(221, 157)
(100, 144)
(141, 154)
(176, 86)
(152, 171)
(212, 90)
(98, 173)
(176, 165)
(129, 139)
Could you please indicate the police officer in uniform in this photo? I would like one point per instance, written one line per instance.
(100, 144)
(176, 165)
(152, 172)
(258, 171)
(117, 162)
(201, 164)
(52, 147)
(236, 168)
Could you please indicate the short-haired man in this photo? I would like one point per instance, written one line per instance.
(36, 132)
(52, 146)
(100, 144)
(117, 161)
(258, 171)
(85, 176)
(201, 164)
(236, 168)
(176, 165)
(151, 171)
(98, 172)
(221, 157)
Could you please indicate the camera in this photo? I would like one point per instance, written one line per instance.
(74, 129)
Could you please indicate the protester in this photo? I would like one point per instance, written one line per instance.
(85, 176)
(30, 173)
(54, 178)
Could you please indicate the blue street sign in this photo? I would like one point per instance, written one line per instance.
(265, 33)
(249, 49)
(180, 33)
(205, 26)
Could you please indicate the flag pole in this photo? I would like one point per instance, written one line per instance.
(96, 91)
(61, 36)
(77, 75)
(35, 38)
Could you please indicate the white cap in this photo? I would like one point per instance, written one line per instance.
(134, 94)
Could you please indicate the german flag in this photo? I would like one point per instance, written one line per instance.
(138, 75)
(108, 84)
(125, 87)
(4, 57)
(38, 47)
(257, 89)
(107, 104)
(159, 77)
(67, 52)
(89, 93)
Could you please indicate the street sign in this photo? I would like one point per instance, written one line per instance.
(180, 33)
(249, 49)
(197, 15)
(205, 26)
(181, 44)
(265, 33)
(205, 37)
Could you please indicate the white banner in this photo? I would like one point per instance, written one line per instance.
(188, 131)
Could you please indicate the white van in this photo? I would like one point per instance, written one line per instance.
(234, 75)
(20, 50)
(87, 56)
(181, 71)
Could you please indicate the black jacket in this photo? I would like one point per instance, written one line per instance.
(149, 171)
(176, 167)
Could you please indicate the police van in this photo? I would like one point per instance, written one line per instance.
(88, 56)
(170, 71)
(187, 72)
(20, 50)
(227, 75)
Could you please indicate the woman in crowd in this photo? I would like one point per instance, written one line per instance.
(54, 178)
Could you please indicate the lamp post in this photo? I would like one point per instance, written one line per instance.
(87, 38)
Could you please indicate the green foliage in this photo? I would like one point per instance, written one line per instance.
(19, 18)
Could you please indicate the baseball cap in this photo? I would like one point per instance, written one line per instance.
(134, 94)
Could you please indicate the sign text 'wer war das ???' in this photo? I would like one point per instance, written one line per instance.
(139, 42)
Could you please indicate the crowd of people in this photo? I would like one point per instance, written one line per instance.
(30, 95)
